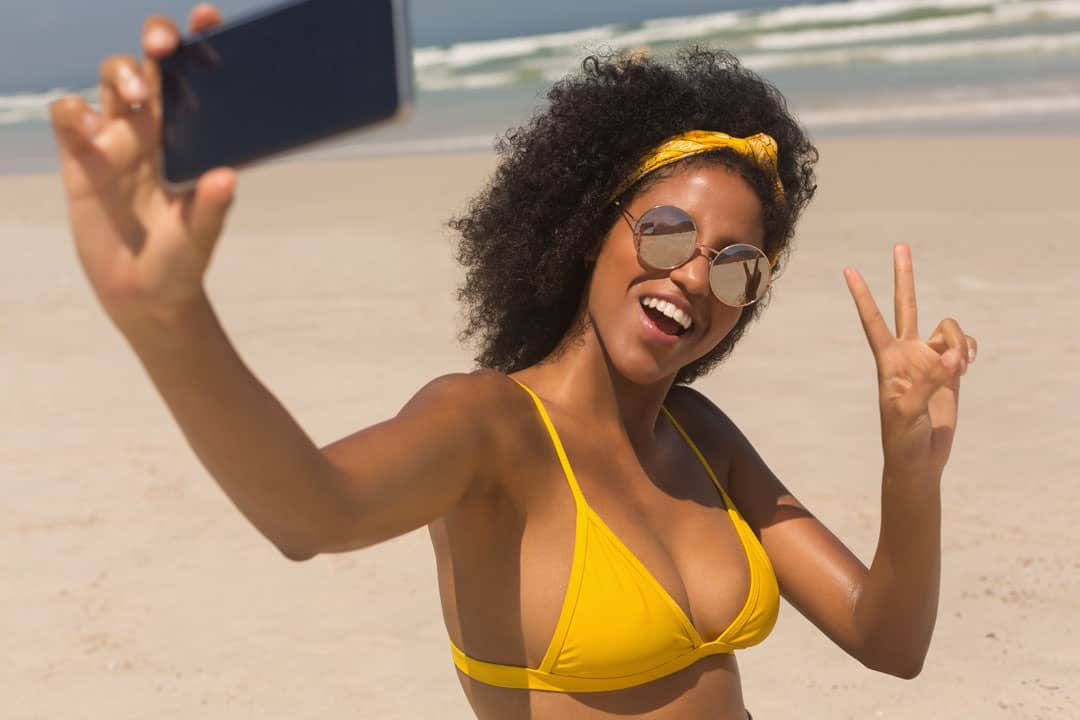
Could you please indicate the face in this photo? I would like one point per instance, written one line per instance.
(726, 211)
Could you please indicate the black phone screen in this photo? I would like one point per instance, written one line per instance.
(288, 76)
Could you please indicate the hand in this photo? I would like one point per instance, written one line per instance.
(144, 249)
(918, 382)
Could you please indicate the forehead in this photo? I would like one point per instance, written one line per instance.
(724, 207)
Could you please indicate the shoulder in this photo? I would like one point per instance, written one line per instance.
(703, 420)
(484, 397)
(752, 486)
(498, 415)
(467, 393)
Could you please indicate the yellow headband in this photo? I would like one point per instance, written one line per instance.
(760, 148)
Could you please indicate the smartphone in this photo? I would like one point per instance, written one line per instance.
(280, 79)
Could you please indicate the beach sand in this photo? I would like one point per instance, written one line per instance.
(133, 589)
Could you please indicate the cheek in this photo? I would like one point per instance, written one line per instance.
(724, 320)
(614, 272)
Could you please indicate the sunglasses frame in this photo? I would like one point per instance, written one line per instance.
(710, 253)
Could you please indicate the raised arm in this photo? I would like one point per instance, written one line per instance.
(145, 251)
(883, 616)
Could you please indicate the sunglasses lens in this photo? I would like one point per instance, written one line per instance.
(740, 275)
(666, 237)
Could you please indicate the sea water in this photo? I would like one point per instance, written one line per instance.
(855, 67)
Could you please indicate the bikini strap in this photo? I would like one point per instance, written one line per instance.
(568, 471)
(704, 462)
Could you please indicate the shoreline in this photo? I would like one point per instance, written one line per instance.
(30, 149)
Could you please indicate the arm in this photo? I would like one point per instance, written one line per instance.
(145, 250)
(379, 483)
(883, 616)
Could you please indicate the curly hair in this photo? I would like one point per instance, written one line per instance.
(525, 238)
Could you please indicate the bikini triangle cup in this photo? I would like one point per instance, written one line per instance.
(618, 626)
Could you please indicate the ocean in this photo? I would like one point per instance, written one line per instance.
(856, 67)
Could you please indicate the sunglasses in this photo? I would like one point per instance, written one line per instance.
(666, 237)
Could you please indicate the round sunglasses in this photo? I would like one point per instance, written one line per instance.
(666, 237)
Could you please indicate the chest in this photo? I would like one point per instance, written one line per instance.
(658, 532)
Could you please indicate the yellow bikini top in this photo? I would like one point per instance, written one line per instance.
(618, 626)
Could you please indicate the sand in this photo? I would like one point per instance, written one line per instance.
(133, 589)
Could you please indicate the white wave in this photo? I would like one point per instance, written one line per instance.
(469, 81)
(852, 11)
(966, 109)
(27, 107)
(473, 53)
(996, 17)
(857, 11)
(680, 29)
(721, 20)
(866, 33)
(736, 29)
(919, 53)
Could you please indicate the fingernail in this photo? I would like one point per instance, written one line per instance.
(134, 87)
(89, 124)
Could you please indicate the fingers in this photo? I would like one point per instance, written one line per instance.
(203, 17)
(907, 315)
(160, 36)
(74, 123)
(205, 209)
(877, 331)
(948, 335)
(937, 373)
(122, 87)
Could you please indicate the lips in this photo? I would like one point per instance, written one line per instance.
(652, 330)
(667, 325)
(674, 307)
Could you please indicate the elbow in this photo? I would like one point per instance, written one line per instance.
(905, 671)
(294, 549)
(296, 554)
(905, 668)
(299, 549)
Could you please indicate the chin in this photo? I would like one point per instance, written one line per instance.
(641, 368)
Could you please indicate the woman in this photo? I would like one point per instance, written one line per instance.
(605, 536)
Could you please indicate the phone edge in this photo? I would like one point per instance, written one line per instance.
(406, 92)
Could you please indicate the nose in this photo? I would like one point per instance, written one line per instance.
(693, 275)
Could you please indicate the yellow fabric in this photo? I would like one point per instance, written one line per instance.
(618, 626)
(760, 148)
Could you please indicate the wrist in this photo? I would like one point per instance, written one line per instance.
(910, 493)
(165, 324)
(902, 472)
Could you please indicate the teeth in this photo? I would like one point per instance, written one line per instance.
(668, 309)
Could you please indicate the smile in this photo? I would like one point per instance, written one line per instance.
(666, 316)
(666, 310)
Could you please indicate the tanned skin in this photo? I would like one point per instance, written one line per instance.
(469, 458)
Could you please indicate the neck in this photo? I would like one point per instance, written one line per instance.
(580, 377)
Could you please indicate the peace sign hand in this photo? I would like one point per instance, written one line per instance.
(918, 382)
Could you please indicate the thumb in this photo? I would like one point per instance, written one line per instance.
(941, 372)
(204, 209)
